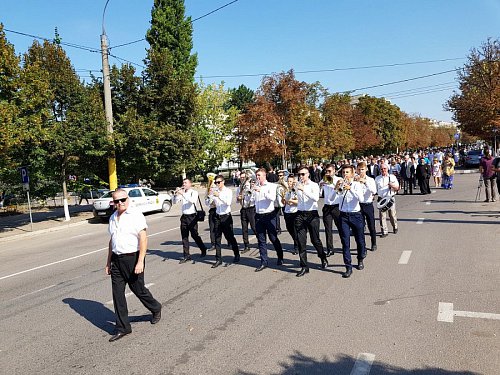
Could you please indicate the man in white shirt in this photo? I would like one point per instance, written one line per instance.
(222, 197)
(290, 212)
(246, 199)
(189, 197)
(351, 193)
(265, 218)
(331, 213)
(308, 220)
(366, 202)
(125, 263)
(387, 186)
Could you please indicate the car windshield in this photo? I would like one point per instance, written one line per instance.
(109, 194)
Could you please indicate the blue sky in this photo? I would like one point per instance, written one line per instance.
(264, 36)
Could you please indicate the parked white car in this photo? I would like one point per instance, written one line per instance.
(143, 198)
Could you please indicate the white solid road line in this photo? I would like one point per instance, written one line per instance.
(72, 258)
(405, 257)
(130, 293)
(420, 220)
(363, 364)
(30, 293)
(446, 313)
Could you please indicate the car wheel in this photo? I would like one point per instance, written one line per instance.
(166, 206)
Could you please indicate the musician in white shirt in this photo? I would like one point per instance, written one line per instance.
(387, 186)
(366, 201)
(308, 220)
(222, 197)
(351, 218)
(246, 199)
(290, 211)
(331, 213)
(189, 197)
(264, 193)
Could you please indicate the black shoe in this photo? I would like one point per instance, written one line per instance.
(384, 235)
(118, 336)
(374, 247)
(302, 272)
(156, 317)
(245, 249)
(395, 230)
(184, 260)
(329, 253)
(279, 262)
(261, 267)
(212, 248)
(236, 258)
(203, 253)
(217, 264)
(324, 263)
(360, 264)
(347, 273)
(295, 252)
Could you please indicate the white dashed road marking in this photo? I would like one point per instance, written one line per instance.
(446, 313)
(420, 220)
(405, 257)
(130, 293)
(428, 203)
(363, 364)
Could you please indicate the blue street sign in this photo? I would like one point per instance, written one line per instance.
(24, 175)
(457, 136)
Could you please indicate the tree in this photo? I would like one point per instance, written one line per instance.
(215, 125)
(169, 90)
(477, 107)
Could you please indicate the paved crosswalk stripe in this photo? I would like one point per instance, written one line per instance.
(446, 313)
(405, 257)
(363, 364)
(130, 293)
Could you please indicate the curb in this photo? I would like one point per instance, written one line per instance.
(466, 171)
(42, 231)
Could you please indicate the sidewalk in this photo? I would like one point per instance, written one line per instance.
(18, 225)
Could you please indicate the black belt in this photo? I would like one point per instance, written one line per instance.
(223, 215)
(125, 255)
(332, 205)
(188, 214)
(266, 214)
(244, 208)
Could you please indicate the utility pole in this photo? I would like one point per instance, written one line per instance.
(113, 180)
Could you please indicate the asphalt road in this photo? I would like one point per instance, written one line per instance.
(56, 313)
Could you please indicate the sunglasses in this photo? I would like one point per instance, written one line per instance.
(123, 200)
(218, 182)
(302, 174)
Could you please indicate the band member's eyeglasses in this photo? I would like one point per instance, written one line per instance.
(302, 174)
(123, 200)
(218, 182)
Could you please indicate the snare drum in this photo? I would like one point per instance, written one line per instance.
(385, 203)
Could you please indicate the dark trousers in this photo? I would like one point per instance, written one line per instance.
(290, 227)
(189, 224)
(266, 224)
(277, 210)
(369, 216)
(408, 184)
(423, 183)
(224, 224)
(331, 214)
(354, 221)
(211, 224)
(247, 216)
(122, 273)
(308, 221)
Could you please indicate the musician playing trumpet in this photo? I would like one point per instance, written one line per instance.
(366, 202)
(290, 202)
(331, 212)
(351, 218)
(189, 224)
(246, 199)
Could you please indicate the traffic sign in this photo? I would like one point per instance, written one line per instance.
(24, 175)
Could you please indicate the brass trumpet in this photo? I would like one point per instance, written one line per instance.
(328, 180)
(211, 178)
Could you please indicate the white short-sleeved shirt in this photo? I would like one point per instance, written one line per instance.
(369, 189)
(223, 201)
(125, 232)
(188, 199)
(382, 182)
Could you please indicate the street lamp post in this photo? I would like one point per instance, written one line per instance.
(113, 180)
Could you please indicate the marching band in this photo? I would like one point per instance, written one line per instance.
(348, 204)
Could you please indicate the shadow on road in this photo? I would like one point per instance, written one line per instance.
(302, 364)
(93, 311)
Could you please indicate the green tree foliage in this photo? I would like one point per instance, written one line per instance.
(385, 118)
(169, 89)
(477, 107)
(215, 125)
(240, 98)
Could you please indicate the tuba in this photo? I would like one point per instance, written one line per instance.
(211, 178)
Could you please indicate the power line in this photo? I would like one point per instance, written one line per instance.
(196, 19)
(336, 69)
(401, 81)
(421, 93)
(418, 88)
(128, 61)
(73, 45)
